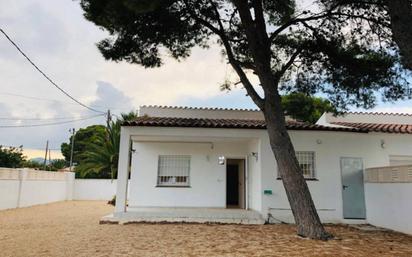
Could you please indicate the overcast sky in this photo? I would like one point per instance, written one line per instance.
(57, 37)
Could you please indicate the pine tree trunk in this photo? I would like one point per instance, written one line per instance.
(300, 200)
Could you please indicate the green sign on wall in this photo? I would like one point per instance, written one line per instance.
(267, 192)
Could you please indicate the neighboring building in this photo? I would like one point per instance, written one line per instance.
(220, 159)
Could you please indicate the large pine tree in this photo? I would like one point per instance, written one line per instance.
(344, 49)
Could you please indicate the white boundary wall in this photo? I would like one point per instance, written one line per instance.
(26, 187)
(94, 189)
(389, 205)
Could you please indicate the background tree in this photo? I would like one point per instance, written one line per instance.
(54, 165)
(343, 50)
(101, 157)
(32, 164)
(306, 108)
(83, 138)
(58, 164)
(11, 157)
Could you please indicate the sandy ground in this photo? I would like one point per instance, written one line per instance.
(72, 229)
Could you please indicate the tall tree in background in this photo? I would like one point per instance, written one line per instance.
(343, 50)
(306, 108)
(83, 138)
(11, 157)
(101, 156)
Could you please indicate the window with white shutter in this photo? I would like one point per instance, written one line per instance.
(173, 170)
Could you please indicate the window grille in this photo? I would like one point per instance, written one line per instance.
(173, 170)
(307, 163)
(395, 174)
(410, 173)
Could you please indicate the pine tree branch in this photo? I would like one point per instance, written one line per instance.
(231, 57)
(289, 63)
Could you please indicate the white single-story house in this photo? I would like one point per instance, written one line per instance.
(216, 165)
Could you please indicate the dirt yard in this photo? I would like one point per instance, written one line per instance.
(72, 229)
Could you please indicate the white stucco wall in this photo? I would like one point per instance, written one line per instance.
(9, 194)
(41, 192)
(389, 205)
(254, 176)
(327, 191)
(19, 191)
(207, 189)
(94, 189)
(207, 177)
(24, 187)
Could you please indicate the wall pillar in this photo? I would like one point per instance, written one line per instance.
(22, 177)
(123, 171)
(70, 176)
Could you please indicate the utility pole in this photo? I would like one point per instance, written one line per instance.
(45, 156)
(109, 118)
(72, 130)
(50, 163)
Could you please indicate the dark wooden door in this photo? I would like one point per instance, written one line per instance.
(232, 184)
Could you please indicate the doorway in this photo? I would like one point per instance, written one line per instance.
(353, 194)
(235, 183)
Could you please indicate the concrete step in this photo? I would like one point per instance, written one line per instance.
(188, 215)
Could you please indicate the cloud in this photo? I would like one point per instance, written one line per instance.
(23, 24)
(34, 138)
(236, 98)
(56, 36)
(4, 111)
(109, 97)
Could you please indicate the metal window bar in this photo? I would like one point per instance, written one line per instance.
(173, 170)
(306, 161)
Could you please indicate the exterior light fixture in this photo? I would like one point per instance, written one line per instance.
(256, 155)
(221, 160)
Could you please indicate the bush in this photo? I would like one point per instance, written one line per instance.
(113, 201)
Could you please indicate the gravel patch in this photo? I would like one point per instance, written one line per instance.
(73, 229)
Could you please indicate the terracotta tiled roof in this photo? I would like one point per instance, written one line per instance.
(200, 108)
(380, 113)
(256, 110)
(147, 121)
(378, 127)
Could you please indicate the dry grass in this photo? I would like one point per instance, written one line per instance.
(72, 229)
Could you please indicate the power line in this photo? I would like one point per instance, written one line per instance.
(36, 98)
(42, 119)
(44, 75)
(55, 100)
(31, 148)
(49, 124)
